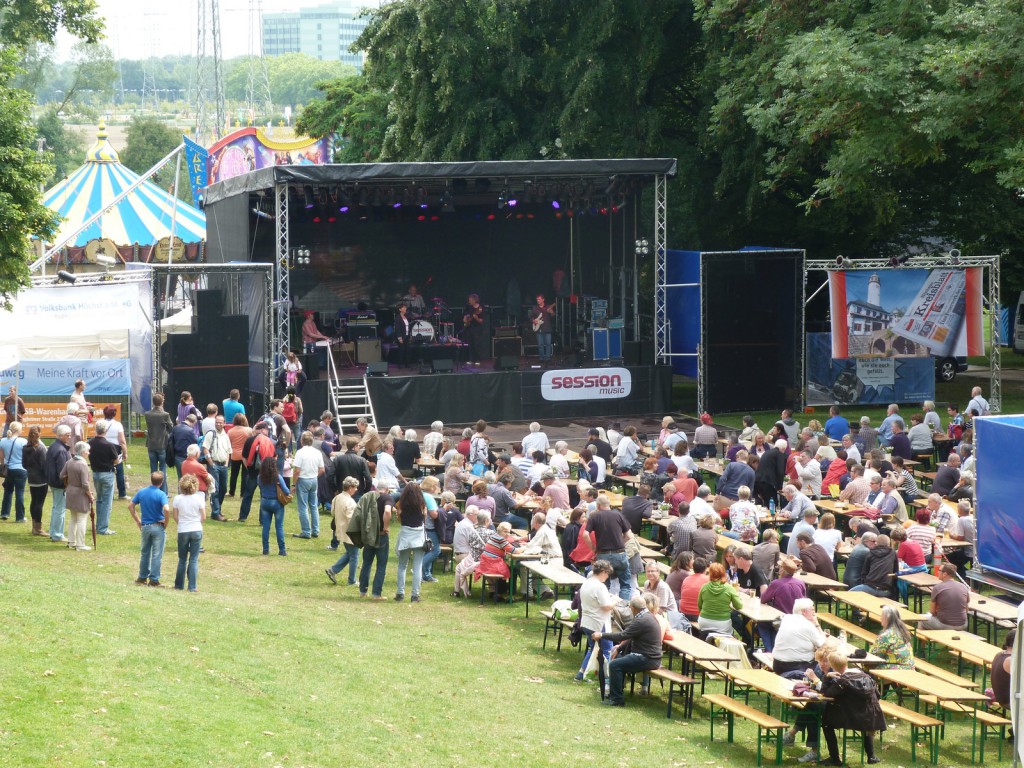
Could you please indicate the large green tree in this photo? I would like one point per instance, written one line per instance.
(66, 147)
(147, 141)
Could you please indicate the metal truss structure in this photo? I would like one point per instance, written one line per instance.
(282, 282)
(211, 113)
(662, 328)
(945, 261)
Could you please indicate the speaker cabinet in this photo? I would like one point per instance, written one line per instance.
(444, 365)
(507, 346)
(367, 351)
(379, 368)
(507, 363)
(356, 332)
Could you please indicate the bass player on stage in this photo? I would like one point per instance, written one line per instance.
(473, 332)
(540, 318)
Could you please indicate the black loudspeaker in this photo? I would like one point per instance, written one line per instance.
(209, 304)
(631, 353)
(505, 332)
(207, 385)
(311, 365)
(507, 363)
(231, 334)
(444, 366)
(377, 369)
(356, 332)
(506, 346)
(368, 351)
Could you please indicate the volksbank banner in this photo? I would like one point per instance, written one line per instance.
(57, 378)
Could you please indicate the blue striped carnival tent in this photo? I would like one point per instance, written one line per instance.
(135, 225)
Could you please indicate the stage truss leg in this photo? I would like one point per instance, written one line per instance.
(281, 337)
(995, 383)
(269, 342)
(661, 329)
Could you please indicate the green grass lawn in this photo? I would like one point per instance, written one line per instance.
(270, 665)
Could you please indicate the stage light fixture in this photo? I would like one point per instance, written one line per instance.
(643, 247)
(556, 205)
(107, 261)
(899, 261)
(262, 214)
(66, 277)
(954, 257)
(844, 263)
(307, 196)
(343, 209)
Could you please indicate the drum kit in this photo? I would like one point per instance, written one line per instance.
(439, 325)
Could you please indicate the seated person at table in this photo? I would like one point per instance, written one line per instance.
(911, 559)
(492, 563)
(813, 557)
(1001, 671)
(964, 488)
(863, 543)
(703, 540)
(749, 429)
(894, 643)
(586, 544)
(857, 490)
(681, 531)
(682, 459)
(939, 516)
(686, 488)
(737, 473)
(758, 444)
(809, 472)
(766, 554)
(733, 447)
(797, 503)
(798, 638)
(649, 475)
(682, 567)
(656, 585)
(592, 467)
(808, 719)
(827, 535)
(947, 475)
(743, 517)
(559, 463)
(837, 470)
(544, 542)
(949, 600)
(689, 591)
(853, 705)
(750, 580)
(880, 568)
(899, 444)
(922, 532)
(782, 593)
(699, 507)
(807, 523)
(645, 650)
(905, 482)
(505, 465)
(963, 530)
(715, 602)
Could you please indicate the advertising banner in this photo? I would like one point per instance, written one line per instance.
(906, 313)
(586, 384)
(57, 377)
(865, 380)
(46, 415)
(195, 158)
(249, 149)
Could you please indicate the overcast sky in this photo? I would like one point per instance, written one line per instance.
(137, 29)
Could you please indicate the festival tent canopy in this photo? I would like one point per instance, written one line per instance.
(143, 217)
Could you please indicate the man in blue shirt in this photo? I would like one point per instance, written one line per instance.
(885, 428)
(837, 425)
(153, 524)
(231, 407)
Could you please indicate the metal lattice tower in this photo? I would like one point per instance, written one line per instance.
(211, 114)
(257, 87)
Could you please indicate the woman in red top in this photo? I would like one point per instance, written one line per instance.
(690, 589)
(911, 557)
(583, 554)
(492, 559)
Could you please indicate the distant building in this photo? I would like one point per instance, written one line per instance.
(866, 317)
(323, 32)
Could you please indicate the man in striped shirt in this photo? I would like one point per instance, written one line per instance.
(905, 480)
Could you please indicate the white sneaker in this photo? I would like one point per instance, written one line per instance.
(810, 757)
(84, 548)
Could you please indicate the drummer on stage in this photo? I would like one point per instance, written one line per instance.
(473, 332)
(540, 317)
(403, 332)
(413, 300)
(310, 333)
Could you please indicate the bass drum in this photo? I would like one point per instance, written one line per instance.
(422, 331)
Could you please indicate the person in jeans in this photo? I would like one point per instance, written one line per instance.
(611, 531)
(57, 455)
(377, 550)
(75, 477)
(34, 461)
(12, 450)
(115, 436)
(217, 452)
(431, 524)
(153, 524)
(257, 448)
(309, 461)
(596, 604)
(644, 634)
(158, 426)
(189, 510)
(412, 511)
(341, 508)
(270, 508)
(103, 457)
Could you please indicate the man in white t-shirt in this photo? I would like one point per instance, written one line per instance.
(309, 462)
(387, 473)
(535, 441)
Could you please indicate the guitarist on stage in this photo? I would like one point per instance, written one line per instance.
(540, 317)
(473, 332)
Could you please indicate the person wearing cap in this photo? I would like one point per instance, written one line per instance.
(555, 490)
(601, 447)
(310, 333)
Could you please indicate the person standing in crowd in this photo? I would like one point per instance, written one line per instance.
(377, 549)
(342, 508)
(412, 510)
(182, 436)
(153, 525)
(231, 407)
(34, 460)
(217, 451)
(12, 450)
(187, 408)
(189, 511)
(309, 462)
(71, 418)
(291, 411)
(644, 633)
(158, 427)
(541, 318)
(257, 449)
(271, 510)
(237, 434)
(75, 476)
(611, 532)
(14, 409)
(852, 704)
(103, 457)
(115, 436)
(57, 455)
(596, 604)
(78, 397)
(209, 422)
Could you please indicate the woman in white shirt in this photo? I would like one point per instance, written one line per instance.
(115, 436)
(626, 453)
(827, 536)
(189, 510)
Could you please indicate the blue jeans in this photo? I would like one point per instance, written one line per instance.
(870, 590)
(188, 559)
(220, 475)
(544, 346)
(380, 554)
(351, 559)
(432, 555)
(605, 648)
(417, 569)
(158, 463)
(104, 482)
(57, 515)
(271, 509)
(153, 537)
(620, 563)
(620, 667)
(517, 522)
(308, 511)
(122, 489)
(250, 481)
(14, 488)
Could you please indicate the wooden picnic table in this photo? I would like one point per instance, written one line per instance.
(651, 554)
(990, 610)
(928, 685)
(757, 611)
(970, 648)
(693, 650)
(647, 542)
(768, 682)
(556, 573)
(823, 583)
(873, 605)
(712, 466)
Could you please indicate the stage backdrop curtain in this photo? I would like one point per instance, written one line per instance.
(451, 398)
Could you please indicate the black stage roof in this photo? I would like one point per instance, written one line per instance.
(602, 176)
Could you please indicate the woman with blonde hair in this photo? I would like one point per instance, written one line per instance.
(189, 510)
(12, 450)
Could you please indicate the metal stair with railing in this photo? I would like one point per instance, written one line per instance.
(350, 399)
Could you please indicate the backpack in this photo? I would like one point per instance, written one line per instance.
(289, 412)
(255, 461)
(268, 419)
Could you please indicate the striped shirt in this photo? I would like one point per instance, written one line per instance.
(909, 484)
(923, 535)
